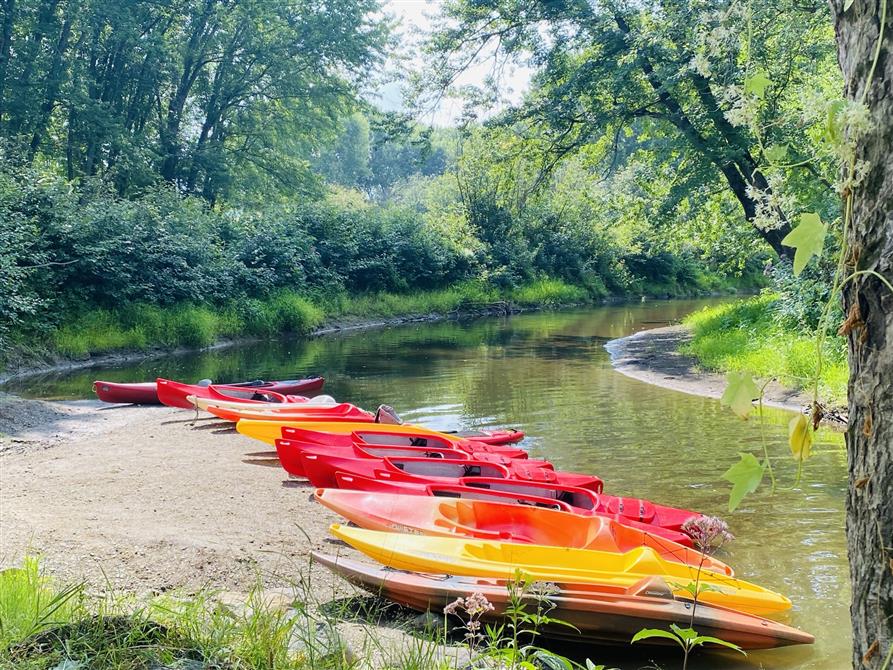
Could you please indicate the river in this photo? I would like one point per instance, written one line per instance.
(549, 374)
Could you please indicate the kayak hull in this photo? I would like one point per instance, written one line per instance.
(345, 433)
(515, 493)
(609, 616)
(339, 412)
(289, 454)
(490, 436)
(138, 393)
(321, 466)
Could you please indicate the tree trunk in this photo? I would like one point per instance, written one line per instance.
(54, 83)
(869, 306)
(192, 66)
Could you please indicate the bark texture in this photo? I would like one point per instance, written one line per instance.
(869, 326)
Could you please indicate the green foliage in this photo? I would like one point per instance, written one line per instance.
(686, 638)
(225, 100)
(745, 477)
(739, 394)
(550, 293)
(46, 626)
(690, 148)
(30, 602)
(754, 337)
(807, 238)
(89, 271)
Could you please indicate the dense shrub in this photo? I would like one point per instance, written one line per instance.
(88, 270)
(800, 300)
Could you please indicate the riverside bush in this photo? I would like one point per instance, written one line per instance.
(86, 271)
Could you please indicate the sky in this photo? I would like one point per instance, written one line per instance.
(415, 17)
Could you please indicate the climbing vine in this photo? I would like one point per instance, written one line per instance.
(845, 123)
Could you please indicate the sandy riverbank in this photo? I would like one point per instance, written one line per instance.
(653, 356)
(145, 500)
(151, 499)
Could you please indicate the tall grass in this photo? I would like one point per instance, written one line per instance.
(748, 336)
(44, 625)
(142, 327)
(549, 292)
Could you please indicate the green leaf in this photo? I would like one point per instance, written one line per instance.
(757, 83)
(835, 121)
(684, 634)
(706, 639)
(808, 238)
(745, 477)
(647, 633)
(776, 153)
(800, 437)
(740, 393)
(847, 4)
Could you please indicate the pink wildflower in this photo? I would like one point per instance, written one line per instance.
(454, 607)
(709, 533)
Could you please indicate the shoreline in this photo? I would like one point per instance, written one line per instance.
(653, 356)
(332, 328)
(61, 364)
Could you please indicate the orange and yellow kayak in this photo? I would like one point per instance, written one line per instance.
(504, 560)
(505, 522)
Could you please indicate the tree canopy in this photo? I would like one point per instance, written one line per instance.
(219, 97)
(670, 78)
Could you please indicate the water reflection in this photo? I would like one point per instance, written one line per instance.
(550, 375)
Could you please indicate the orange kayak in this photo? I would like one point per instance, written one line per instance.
(596, 614)
(297, 412)
(489, 520)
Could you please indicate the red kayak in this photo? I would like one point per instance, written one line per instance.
(139, 394)
(174, 393)
(320, 467)
(487, 436)
(290, 454)
(634, 512)
(379, 434)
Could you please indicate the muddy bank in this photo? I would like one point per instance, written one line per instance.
(653, 356)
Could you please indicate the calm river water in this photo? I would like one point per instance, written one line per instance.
(549, 374)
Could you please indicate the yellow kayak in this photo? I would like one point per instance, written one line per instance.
(270, 431)
(479, 558)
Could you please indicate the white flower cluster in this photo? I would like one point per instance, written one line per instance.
(740, 110)
(771, 202)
